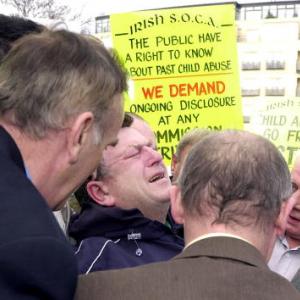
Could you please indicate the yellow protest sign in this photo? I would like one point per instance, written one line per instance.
(183, 69)
(278, 119)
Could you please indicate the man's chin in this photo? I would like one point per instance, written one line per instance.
(162, 198)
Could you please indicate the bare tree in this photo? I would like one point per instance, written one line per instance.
(39, 8)
(85, 25)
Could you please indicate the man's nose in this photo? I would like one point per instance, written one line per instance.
(152, 156)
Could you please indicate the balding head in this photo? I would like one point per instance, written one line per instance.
(235, 178)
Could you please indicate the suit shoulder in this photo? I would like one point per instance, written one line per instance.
(40, 265)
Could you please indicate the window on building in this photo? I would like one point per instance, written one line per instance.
(250, 65)
(250, 87)
(275, 64)
(272, 12)
(253, 13)
(102, 24)
(298, 88)
(298, 63)
(267, 11)
(275, 87)
(275, 61)
(286, 11)
(297, 11)
(250, 61)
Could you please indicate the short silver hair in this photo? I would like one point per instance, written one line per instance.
(50, 77)
(237, 177)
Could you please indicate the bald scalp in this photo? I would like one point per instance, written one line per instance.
(235, 178)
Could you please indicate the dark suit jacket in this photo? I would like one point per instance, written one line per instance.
(216, 268)
(36, 261)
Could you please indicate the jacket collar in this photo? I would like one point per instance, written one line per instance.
(9, 149)
(112, 222)
(225, 247)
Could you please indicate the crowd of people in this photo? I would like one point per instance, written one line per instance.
(226, 225)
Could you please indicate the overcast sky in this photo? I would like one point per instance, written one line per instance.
(93, 8)
(106, 7)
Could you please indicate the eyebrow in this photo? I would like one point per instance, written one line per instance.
(120, 154)
(140, 145)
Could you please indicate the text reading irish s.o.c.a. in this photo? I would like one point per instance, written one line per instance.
(172, 18)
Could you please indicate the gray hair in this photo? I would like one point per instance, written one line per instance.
(190, 138)
(237, 177)
(50, 77)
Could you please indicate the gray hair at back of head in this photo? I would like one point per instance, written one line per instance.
(190, 138)
(50, 77)
(235, 177)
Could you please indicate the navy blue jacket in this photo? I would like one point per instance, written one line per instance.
(112, 238)
(36, 261)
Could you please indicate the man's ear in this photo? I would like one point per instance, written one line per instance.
(98, 191)
(81, 128)
(176, 205)
(285, 210)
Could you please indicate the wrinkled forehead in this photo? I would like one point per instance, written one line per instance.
(144, 129)
(127, 137)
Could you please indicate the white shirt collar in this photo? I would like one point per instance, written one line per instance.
(216, 234)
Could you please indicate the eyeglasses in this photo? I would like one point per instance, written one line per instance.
(294, 187)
